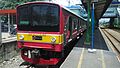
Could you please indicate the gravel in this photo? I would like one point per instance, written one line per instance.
(13, 63)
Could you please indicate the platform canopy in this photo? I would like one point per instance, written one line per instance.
(100, 7)
(7, 11)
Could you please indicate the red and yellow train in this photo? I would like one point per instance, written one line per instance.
(43, 30)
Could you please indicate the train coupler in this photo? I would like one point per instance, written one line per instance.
(35, 53)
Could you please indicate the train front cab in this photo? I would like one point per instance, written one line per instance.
(40, 33)
(43, 31)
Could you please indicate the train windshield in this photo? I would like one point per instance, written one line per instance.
(38, 17)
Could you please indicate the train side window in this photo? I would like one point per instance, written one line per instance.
(76, 27)
(75, 23)
(81, 23)
(78, 24)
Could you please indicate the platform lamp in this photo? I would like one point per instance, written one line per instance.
(93, 29)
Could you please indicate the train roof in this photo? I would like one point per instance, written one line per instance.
(46, 2)
(72, 12)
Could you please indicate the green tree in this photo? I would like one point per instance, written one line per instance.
(11, 4)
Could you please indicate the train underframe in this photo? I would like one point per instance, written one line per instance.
(42, 56)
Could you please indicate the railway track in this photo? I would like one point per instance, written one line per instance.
(115, 42)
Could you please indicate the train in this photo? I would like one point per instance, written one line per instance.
(44, 29)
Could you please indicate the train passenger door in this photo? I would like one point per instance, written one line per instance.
(66, 27)
(67, 30)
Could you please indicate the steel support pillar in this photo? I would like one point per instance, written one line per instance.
(0, 32)
(93, 29)
(8, 23)
(118, 21)
(111, 23)
(88, 32)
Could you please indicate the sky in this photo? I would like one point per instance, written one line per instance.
(118, 10)
(66, 2)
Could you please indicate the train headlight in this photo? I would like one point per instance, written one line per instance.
(53, 39)
(21, 37)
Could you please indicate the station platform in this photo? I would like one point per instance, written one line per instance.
(6, 37)
(103, 57)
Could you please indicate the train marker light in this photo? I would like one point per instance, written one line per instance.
(21, 37)
(53, 39)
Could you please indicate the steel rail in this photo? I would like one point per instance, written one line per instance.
(113, 43)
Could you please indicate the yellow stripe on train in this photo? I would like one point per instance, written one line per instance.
(45, 38)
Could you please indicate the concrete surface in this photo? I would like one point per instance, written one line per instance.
(103, 57)
(6, 37)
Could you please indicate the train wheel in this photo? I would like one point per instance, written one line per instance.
(81, 33)
(62, 54)
(53, 66)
